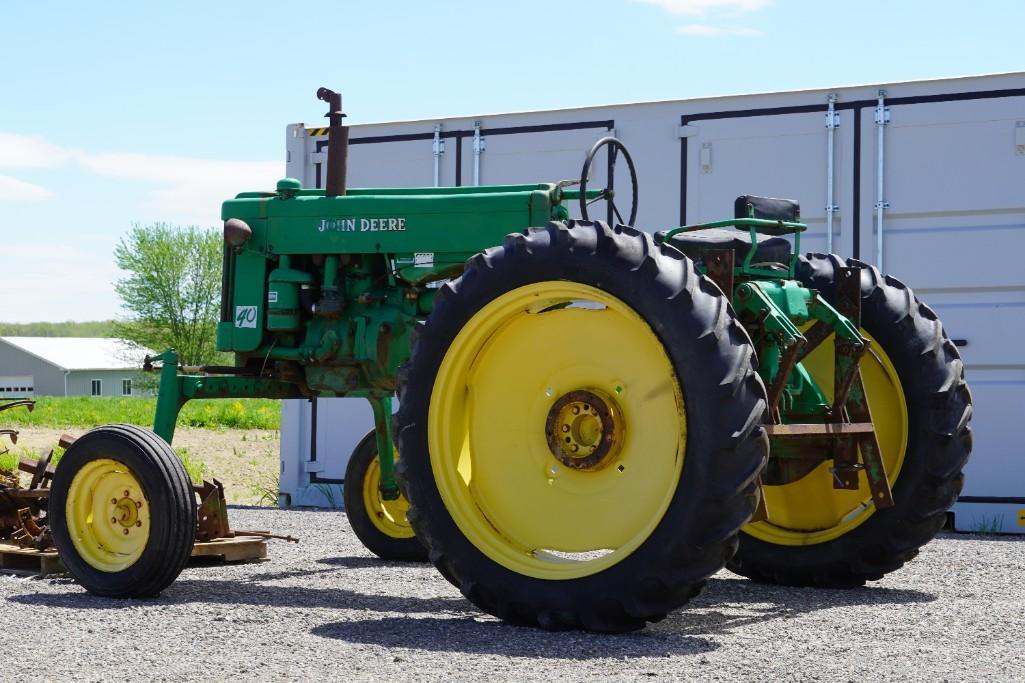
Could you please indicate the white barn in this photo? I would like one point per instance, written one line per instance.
(69, 366)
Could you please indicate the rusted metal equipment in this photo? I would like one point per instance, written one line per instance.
(212, 517)
(24, 520)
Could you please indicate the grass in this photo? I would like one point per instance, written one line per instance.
(989, 525)
(266, 489)
(89, 411)
(196, 469)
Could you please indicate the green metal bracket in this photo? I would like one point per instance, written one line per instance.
(385, 448)
(176, 389)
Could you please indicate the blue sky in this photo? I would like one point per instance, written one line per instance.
(117, 112)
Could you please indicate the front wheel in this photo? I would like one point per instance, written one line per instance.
(580, 429)
(380, 524)
(122, 512)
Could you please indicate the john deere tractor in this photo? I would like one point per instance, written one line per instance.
(592, 420)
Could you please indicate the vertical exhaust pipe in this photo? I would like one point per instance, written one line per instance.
(337, 144)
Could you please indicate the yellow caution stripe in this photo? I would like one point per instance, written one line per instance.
(316, 132)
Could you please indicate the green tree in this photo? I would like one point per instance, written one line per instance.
(171, 290)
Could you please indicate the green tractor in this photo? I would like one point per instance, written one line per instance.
(592, 420)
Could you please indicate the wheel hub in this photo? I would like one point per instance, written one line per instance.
(584, 429)
(126, 512)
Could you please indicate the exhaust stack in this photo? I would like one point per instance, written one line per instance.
(337, 144)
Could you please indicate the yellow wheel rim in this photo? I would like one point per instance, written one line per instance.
(388, 516)
(107, 515)
(496, 396)
(810, 510)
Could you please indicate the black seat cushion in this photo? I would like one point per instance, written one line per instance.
(768, 208)
(695, 244)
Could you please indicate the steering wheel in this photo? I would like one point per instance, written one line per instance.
(615, 148)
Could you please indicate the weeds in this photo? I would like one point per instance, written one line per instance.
(267, 489)
(989, 525)
(196, 469)
(89, 411)
(9, 459)
(330, 492)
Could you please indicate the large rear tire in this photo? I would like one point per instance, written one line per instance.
(122, 512)
(580, 429)
(381, 525)
(914, 380)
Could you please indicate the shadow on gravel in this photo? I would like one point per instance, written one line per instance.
(729, 604)
(488, 637)
(202, 591)
(354, 562)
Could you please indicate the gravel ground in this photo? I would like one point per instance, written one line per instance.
(326, 609)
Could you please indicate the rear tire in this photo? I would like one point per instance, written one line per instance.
(380, 525)
(494, 535)
(939, 441)
(122, 512)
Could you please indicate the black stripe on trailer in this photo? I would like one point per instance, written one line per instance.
(458, 135)
(1000, 500)
(856, 106)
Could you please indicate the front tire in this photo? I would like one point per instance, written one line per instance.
(379, 524)
(914, 382)
(580, 429)
(122, 512)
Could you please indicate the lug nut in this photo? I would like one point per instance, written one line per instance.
(126, 532)
(126, 493)
(565, 428)
(113, 520)
(113, 501)
(576, 410)
(139, 523)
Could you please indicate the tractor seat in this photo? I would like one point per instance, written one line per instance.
(695, 244)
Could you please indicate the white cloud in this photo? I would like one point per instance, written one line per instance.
(697, 8)
(42, 296)
(706, 31)
(188, 189)
(30, 151)
(183, 189)
(14, 190)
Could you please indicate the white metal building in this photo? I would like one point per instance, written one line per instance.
(69, 366)
(925, 178)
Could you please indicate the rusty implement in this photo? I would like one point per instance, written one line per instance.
(212, 517)
(23, 513)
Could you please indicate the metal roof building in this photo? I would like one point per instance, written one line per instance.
(68, 366)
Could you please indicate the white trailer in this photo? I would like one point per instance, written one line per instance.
(925, 179)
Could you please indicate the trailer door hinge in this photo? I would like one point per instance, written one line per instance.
(1019, 137)
(318, 157)
(439, 142)
(832, 119)
(312, 467)
(687, 131)
(480, 143)
(706, 157)
(882, 111)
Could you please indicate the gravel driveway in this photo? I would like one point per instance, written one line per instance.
(326, 609)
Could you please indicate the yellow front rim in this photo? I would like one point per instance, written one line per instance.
(810, 510)
(507, 491)
(107, 515)
(388, 516)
